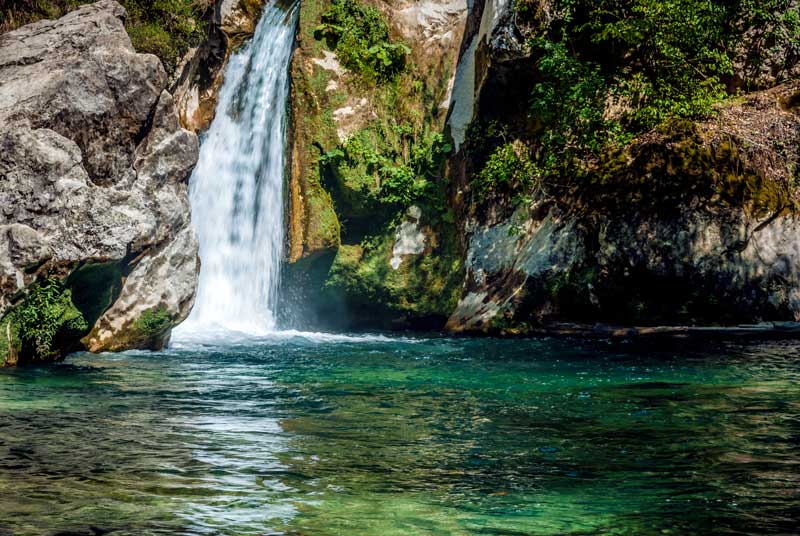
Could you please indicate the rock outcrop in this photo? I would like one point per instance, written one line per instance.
(93, 196)
(694, 223)
(350, 259)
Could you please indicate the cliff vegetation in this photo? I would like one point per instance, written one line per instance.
(372, 231)
(605, 73)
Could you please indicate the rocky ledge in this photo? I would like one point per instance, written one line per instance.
(96, 250)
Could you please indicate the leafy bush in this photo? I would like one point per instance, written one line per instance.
(400, 185)
(407, 180)
(166, 28)
(667, 58)
(506, 171)
(676, 46)
(383, 174)
(360, 37)
(569, 103)
(609, 70)
(46, 314)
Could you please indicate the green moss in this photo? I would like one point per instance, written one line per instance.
(153, 323)
(323, 225)
(667, 171)
(315, 225)
(426, 286)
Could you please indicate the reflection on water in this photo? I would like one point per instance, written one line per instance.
(385, 437)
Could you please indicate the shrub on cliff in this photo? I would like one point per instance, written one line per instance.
(608, 71)
(46, 318)
(360, 37)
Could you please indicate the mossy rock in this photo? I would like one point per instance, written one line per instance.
(153, 324)
(421, 292)
(678, 165)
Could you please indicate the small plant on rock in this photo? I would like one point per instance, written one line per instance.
(360, 37)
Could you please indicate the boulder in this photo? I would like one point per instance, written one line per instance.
(93, 180)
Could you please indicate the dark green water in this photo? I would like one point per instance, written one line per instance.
(394, 437)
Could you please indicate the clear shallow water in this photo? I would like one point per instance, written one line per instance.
(382, 437)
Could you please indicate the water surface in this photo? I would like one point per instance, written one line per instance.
(383, 436)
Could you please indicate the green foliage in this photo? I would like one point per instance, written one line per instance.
(153, 322)
(416, 177)
(400, 185)
(166, 28)
(677, 48)
(360, 37)
(569, 99)
(569, 104)
(391, 176)
(609, 70)
(46, 315)
(665, 58)
(508, 169)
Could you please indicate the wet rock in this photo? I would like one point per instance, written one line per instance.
(198, 78)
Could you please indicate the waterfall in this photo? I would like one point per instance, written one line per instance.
(236, 189)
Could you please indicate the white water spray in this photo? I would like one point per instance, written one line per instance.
(236, 190)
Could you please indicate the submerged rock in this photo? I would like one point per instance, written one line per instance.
(92, 182)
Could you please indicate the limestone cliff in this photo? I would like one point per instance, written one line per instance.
(371, 241)
(95, 244)
(680, 221)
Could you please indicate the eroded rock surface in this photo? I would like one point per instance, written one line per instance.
(92, 174)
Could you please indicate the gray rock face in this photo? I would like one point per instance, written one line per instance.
(199, 77)
(703, 261)
(93, 169)
(533, 270)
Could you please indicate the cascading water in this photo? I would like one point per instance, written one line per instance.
(236, 189)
